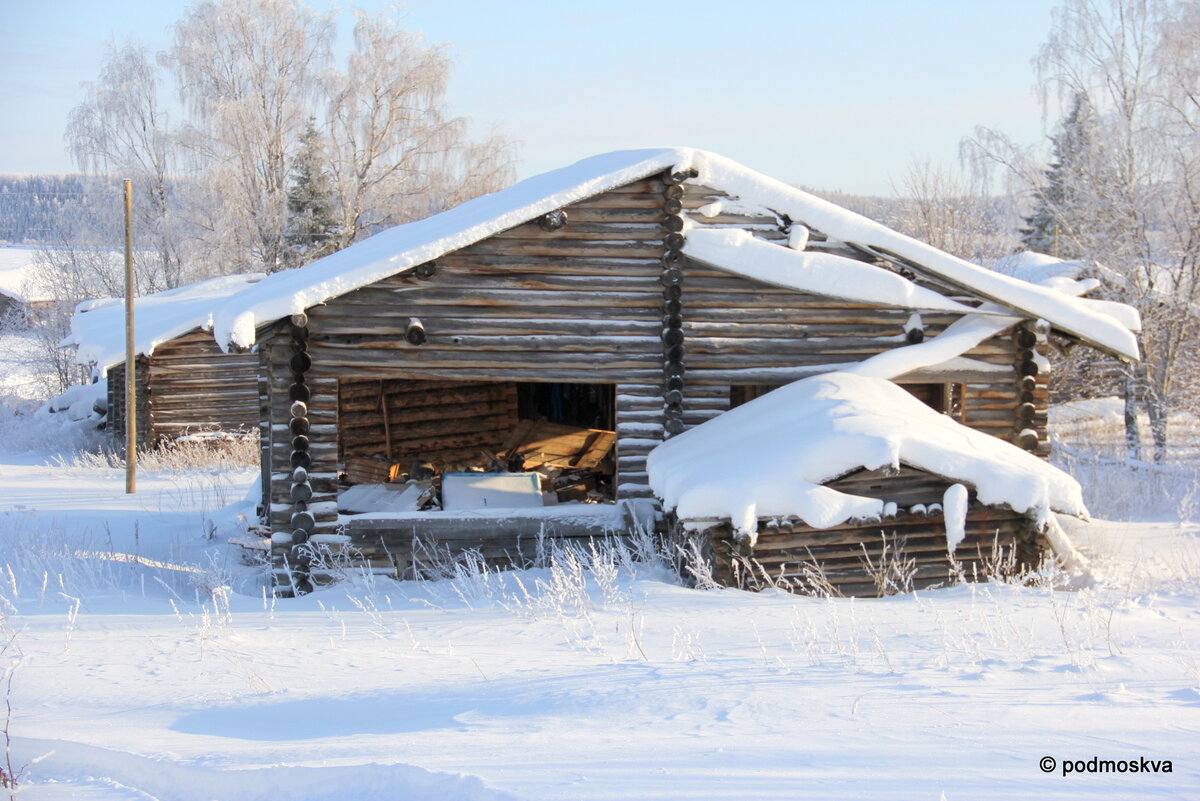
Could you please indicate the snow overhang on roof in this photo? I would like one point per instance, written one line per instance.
(404, 247)
(98, 326)
(772, 456)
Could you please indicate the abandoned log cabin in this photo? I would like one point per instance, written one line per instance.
(185, 384)
(506, 367)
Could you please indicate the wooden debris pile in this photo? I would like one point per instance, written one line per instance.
(574, 464)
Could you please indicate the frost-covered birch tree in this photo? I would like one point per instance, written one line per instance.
(248, 72)
(394, 153)
(122, 128)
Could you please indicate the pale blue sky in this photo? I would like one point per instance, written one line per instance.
(834, 95)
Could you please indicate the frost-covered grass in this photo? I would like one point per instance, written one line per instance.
(150, 661)
(1089, 442)
(216, 452)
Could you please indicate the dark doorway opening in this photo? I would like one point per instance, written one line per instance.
(579, 405)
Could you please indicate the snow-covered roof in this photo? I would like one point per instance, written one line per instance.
(772, 456)
(406, 246)
(98, 327)
(17, 266)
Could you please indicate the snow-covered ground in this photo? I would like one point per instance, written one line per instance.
(21, 374)
(151, 664)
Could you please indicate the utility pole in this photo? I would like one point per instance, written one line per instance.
(130, 355)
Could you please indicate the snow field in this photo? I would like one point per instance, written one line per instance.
(148, 662)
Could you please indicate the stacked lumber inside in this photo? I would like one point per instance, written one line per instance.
(444, 422)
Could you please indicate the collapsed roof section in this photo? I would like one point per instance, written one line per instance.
(771, 457)
(404, 247)
(98, 326)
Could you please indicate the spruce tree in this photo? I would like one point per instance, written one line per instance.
(312, 227)
(1064, 215)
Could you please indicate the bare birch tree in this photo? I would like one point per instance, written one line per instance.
(121, 128)
(948, 212)
(248, 70)
(394, 154)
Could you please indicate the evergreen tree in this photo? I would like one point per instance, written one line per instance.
(1065, 214)
(312, 228)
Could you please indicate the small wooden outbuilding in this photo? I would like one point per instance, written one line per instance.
(639, 293)
(186, 385)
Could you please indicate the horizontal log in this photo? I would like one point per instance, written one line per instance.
(468, 264)
(192, 371)
(564, 248)
(401, 434)
(436, 341)
(930, 542)
(599, 374)
(365, 396)
(471, 281)
(343, 359)
(396, 301)
(613, 215)
(414, 447)
(489, 531)
(362, 423)
(466, 306)
(445, 327)
(578, 230)
(618, 201)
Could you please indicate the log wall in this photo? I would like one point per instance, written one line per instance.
(187, 386)
(896, 554)
(117, 413)
(580, 303)
(740, 331)
(303, 449)
(195, 387)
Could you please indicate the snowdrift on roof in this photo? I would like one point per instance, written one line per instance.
(98, 327)
(770, 457)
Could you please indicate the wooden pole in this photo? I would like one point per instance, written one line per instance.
(130, 355)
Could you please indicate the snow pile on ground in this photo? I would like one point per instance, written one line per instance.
(86, 403)
(98, 327)
(769, 457)
(70, 422)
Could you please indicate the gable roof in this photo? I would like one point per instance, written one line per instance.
(405, 246)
